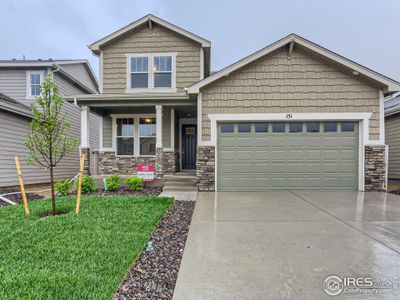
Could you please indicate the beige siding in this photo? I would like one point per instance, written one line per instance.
(144, 40)
(13, 133)
(392, 135)
(166, 127)
(107, 132)
(276, 84)
(79, 72)
(13, 84)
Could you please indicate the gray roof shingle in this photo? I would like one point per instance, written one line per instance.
(11, 105)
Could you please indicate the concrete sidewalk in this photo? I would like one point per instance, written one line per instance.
(282, 245)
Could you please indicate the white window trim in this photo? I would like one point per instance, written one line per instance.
(28, 82)
(362, 118)
(136, 137)
(150, 66)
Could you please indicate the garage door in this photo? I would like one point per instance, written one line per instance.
(307, 155)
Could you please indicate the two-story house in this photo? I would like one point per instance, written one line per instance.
(293, 115)
(19, 85)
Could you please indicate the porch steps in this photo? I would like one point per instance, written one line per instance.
(181, 186)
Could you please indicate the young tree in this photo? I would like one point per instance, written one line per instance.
(49, 139)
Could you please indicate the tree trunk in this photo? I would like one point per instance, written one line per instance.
(53, 199)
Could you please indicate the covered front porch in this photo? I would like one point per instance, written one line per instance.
(139, 130)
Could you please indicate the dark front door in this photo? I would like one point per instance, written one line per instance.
(189, 143)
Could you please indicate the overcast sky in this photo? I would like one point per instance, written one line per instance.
(366, 31)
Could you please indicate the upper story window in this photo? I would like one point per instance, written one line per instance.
(34, 79)
(139, 72)
(163, 71)
(151, 72)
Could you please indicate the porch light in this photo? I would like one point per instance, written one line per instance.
(148, 121)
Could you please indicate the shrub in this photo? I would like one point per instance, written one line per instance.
(63, 186)
(113, 182)
(88, 184)
(135, 183)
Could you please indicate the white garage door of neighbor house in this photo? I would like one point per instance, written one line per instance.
(287, 155)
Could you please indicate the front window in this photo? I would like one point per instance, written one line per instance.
(151, 71)
(147, 135)
(125, 136)
(139, 72)
(34, 79)
(163, 71)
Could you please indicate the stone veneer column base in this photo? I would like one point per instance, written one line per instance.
(159, 162)
(375, 168)
(205, 168)
(169, 162)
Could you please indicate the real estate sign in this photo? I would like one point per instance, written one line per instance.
(146, 172)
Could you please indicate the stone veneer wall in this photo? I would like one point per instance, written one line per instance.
(205, 168)
(169, 162)
(375, 168)
(109, 163)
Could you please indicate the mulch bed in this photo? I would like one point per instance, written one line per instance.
(153, 276)
(148, 191)
(17, 198)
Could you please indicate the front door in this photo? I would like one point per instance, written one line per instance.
(189, 143)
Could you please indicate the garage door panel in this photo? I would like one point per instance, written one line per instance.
(289, 160)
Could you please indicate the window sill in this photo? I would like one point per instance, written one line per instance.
(151, 90)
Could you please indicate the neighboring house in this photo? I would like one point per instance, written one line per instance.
(19, 84)
(293, 115)
(392, 124)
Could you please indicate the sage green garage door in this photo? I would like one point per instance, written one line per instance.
(308, 155)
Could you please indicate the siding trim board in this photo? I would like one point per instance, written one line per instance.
(362, 118)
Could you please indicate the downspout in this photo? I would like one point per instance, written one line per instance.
(56, 70)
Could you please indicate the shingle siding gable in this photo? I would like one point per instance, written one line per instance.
(276, 84)
(144, 40)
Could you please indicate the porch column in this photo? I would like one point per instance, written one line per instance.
(159, 146)
(85, 146)
(159, 126)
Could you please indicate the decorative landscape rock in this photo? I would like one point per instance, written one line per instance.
(154, 274)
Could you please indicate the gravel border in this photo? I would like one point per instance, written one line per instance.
(396, 192)
(153, 276)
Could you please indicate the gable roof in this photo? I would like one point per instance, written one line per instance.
(65, 66)
(95, 47)
(11, 105)
(386, 83)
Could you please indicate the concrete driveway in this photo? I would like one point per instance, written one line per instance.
(282, 245)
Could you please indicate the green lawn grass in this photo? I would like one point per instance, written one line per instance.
(70, 256)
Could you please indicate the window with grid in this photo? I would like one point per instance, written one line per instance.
(162, 71)
(125, 136)
(147, 136)
(34, 84)
(139, 74)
